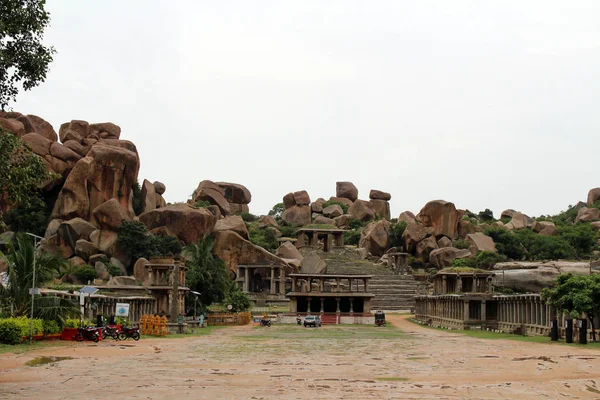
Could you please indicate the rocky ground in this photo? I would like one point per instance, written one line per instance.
(297, 363)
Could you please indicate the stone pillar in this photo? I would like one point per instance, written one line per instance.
(308, 301)
(272, 288)
(444, 288)
(337, 305)
(322, 305)
(282, 281)
(483, 311)
(294, 282)
(366, 280)
(245, 286)
(350, 284)
(466, 310)
(351, 305)
(174, 306)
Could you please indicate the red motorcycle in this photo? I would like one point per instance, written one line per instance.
(88, 333)
(127, 333)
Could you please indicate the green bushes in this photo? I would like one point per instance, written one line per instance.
(461, 244)
(247, 217)
(396, 232)
(137, 242)
(202, 204)
(51, 327)
(487, 259)
(352, 238)
(483, 261)
(113, 270)
(12, 330)
(486, 215)
(264, 238)
(85, 273)
(506, 243)
(356, 223)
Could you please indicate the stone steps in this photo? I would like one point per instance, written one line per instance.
(392, 292)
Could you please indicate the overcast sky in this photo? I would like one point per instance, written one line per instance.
(485, 104)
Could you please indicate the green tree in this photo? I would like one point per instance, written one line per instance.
(486, 215)
(24, 59)
(137, 242)
(21, 171)
(277, 210)
(577, 295)
(206, 274)
(20, 278)
(238, 300)
(32, 217)
(506, 243)
(396, 232)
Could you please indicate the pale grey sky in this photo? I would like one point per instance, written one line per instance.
(486, 104)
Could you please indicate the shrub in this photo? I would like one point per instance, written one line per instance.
(486, 215)
(582, 237)
(264, 238)
(461, 244)
(10, 331)
(202, 204)
(415, 262)
(352, 238)
(396, 232)
(288, 231)
(31, 216)
(356, 223)
(463, 263)
(137, 242)
(487, 259)
(51, 327)
(85, 273)
(539, 247)
(506, 243)
(238, 300)
(247, 217)
(333, 202)
(113, 270)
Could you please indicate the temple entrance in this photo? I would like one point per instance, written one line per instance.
(330, 305)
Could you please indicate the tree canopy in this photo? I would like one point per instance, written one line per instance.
(21, 170)
(24, 59)
(577, 295)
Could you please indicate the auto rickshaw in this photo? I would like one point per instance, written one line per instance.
(379, 318)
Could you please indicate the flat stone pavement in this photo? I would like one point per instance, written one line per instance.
(258, 363)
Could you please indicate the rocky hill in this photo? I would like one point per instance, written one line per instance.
(94, 189)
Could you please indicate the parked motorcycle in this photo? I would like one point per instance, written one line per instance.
(112, 332)
(87, 333)
(127, 333)
(265, 322)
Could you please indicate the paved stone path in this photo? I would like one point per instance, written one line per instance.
(305, 363)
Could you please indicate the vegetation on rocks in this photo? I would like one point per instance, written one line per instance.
(263, 237)
(137, 242)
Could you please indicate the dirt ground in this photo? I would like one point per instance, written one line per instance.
(290, 362)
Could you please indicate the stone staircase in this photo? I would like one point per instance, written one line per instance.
(392, 292)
